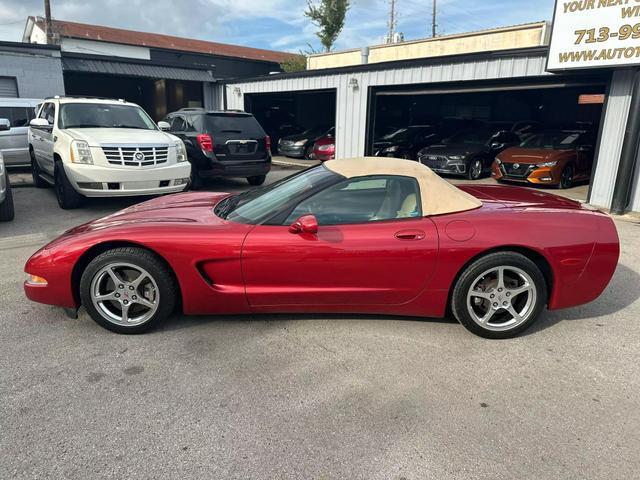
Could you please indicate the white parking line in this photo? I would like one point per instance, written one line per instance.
(17, 241)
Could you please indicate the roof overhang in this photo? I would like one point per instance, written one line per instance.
(132, 69)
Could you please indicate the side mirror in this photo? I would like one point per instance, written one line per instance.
(305, 224)
(164, 126)
(39, 123)
(4, 125)
(497, 146)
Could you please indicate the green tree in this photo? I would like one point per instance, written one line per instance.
(295, 63)
(329, 16)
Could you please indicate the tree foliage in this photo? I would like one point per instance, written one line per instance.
(329, 16)
(295, 63)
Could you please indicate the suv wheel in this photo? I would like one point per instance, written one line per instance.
(499, 295)
(256, 180)
(35, 172)
(7, 211)
(67, 197)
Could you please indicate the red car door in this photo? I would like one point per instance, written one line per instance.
(385, 262)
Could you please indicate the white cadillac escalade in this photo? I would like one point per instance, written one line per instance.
(88, 147)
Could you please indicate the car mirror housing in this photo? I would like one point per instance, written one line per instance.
(40, 123)
(5, 124)
(164, 126)
(304, 224)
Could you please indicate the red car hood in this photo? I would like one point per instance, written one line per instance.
(519, 197)
(178, 208)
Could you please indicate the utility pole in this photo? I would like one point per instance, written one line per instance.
(392, 20)
(433, 20)
(48, 29)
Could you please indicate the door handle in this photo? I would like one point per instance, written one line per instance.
(410, 235)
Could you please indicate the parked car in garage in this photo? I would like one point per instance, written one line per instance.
(555, 157)
(406, 142)
(15, 115)
(6, 196)
(88, 147)
(300, 145)
(222, 144)
(324, 147)
(363, 235)
(469, 152)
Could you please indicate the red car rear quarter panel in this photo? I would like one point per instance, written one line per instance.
(566, 238)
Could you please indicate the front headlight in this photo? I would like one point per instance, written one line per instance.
(300, 143)
(547, 164)
(391, 149)
(181, 152)
(456, 157)
(80, 152)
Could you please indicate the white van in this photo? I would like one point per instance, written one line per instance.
(15, 115)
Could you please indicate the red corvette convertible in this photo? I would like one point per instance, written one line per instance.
(363, 235)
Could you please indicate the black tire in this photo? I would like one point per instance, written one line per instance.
(256, 180)
(469, 277)
(308, 152)
(163, 277)
(35, 172)
(196, 182)
(66, 195)
(7, 212)
(474, 169)
(566, 177)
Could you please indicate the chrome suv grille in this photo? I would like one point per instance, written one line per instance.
(434, 161)
(136, 155)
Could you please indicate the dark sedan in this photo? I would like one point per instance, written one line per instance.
(300, 145)
(406, 142)
(468, 153)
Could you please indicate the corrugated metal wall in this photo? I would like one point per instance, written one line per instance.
(612, 135)
(351, 103)
(351, 108)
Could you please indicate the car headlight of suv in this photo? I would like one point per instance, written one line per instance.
(181, 152)
(80, 152)
(547, 164)
(391, 149)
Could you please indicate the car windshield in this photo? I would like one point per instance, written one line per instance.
(470, 137)
(104, 115)
(552, 140)
(259, 204)
(314, 132)
(406, 133)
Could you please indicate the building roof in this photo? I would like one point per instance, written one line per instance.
(437, 195)
(154, 40)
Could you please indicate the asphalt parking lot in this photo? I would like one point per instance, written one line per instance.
(312, 396)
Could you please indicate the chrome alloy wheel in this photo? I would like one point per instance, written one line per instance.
(502, 298)
(125, 294)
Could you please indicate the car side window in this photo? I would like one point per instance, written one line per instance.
(363, 200)
(48, 112)
(178, 125)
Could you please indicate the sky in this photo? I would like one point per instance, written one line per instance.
(275, 24)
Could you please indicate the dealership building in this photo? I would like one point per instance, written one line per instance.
(494, 75)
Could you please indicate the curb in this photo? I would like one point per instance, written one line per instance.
(293, 163)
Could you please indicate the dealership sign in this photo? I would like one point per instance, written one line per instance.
(595, 33)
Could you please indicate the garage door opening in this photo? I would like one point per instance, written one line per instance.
(433, 117)
(285, 114)
(158, 97)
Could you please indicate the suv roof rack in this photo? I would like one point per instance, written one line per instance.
(89, 97)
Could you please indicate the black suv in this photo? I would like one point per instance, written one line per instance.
(222, 144)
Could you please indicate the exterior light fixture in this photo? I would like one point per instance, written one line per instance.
(353, 83)
(237, 90)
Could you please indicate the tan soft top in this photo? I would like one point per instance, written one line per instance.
(438, 196)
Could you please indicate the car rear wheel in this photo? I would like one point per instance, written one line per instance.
(67, 197)
(256, 180)
(128, 290)
(475, 170)
(35, 172)
(566, 177)
(499, 295)
(7, 211)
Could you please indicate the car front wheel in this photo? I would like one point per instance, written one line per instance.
(35, 172)
(128, 290)
(67, 196)
(475, 170)
(566, 177)
(499, 295)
